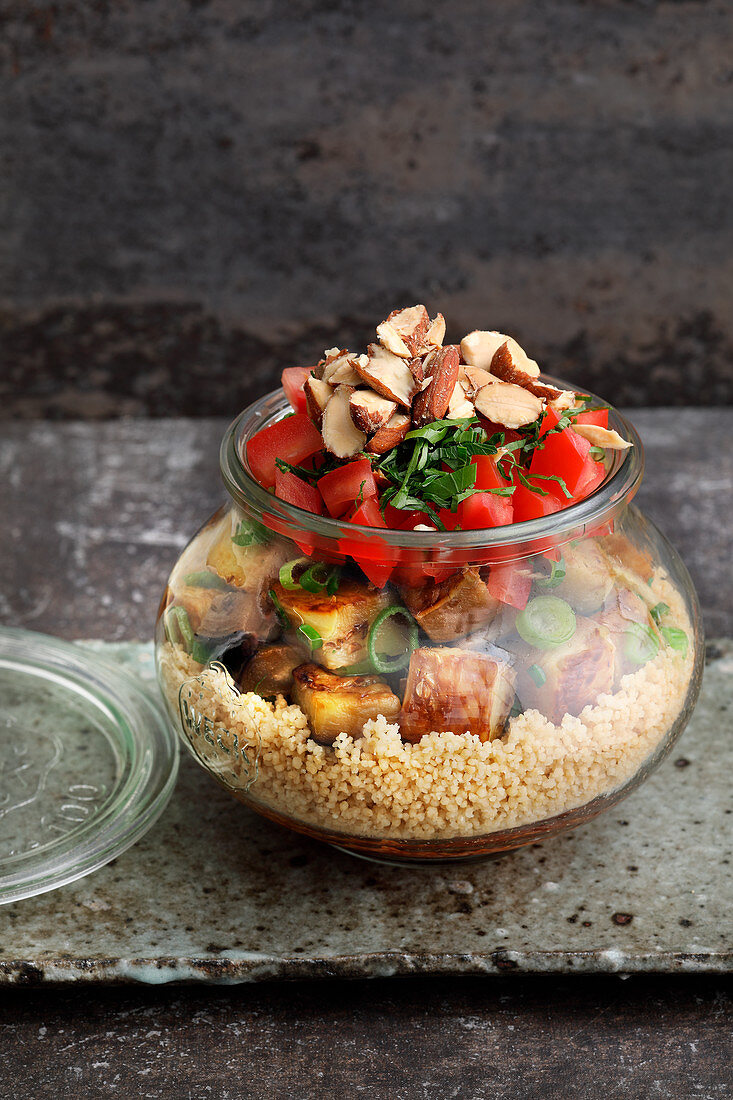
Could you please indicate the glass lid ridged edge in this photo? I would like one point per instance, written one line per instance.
(151, 762)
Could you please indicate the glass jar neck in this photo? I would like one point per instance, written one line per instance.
(517, 539)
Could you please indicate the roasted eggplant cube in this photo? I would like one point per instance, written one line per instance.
(454, 608)
(456, 691)
(216, 614)
(564, 680)
(340, 704)
(252, 568)
(270, 671)
(588, 577)
(341, 621)
(625, 611)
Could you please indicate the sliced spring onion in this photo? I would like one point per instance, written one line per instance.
(516, 708)
(311, 635)
(546, 622)
(178, 627)
(640, 643)
(597, 453)
(537, 674)
(658, 610)
(404, 640)
(319, 577)
(285, 576)
(555, 577)
(279, 609)
(204, 578)
(675, 638)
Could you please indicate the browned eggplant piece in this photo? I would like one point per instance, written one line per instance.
(575, 674)
(342, 621)
(624, 609)
(454, 607)
(216, 614)
(270, 671)
(456, 691)
(629, 562)
(588, 577)
(340, 704)
(252, 568)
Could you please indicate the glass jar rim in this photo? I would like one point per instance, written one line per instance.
(616, 490)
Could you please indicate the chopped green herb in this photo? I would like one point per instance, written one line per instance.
(537, 674)
(675, 639)
(311, 635)
(204, 578)
(250, 533)
(658, 610)
(279, 609)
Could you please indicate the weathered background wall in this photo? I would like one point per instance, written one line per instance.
(193, 195)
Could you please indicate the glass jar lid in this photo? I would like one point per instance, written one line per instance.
(87, 762)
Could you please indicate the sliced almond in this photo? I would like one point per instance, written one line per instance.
(369, 410)
(459, 406)
(566, 400)
(504, 366)
(509, 405)
(472, 379)
(317, 395)
(404, 330)
(432, 404)
(339, 370)
(390, 339)
(480, 347)
(434, 336)
(602, 437)
(340, 434)
(388, 374)
(393, 432)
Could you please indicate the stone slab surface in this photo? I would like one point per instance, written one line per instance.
(216, 894)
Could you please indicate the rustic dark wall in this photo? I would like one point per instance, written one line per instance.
(203, 192)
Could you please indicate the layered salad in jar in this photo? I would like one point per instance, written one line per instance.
(382, 685)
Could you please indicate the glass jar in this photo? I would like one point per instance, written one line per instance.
(417, 696)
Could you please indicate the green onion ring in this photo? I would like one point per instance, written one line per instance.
(546, 622)
(537, 674)
(311, 635)
(640, 643)
(285, 576)
(381, 662)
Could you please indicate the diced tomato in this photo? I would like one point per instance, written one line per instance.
(592, 477)
(449, 519)
(564, 455)
(290, 487)
(510, 435)
(293, 380)
(342, 488)
(528, 505)
(484, 510)
(510, 582)
(487, 473)
(593, 416)
(293, 439)
(369, 553)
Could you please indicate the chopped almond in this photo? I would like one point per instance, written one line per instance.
(340, 434)
(459, 407)
(480, 347)
(393, 432)
(339, 371)
(317, 395)
(369, 410)
(602, 437)
(405, 330)
(388, 374)
(432, 404)
(434, 336)
(508, 405)
(505, 367)
(472, 379)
